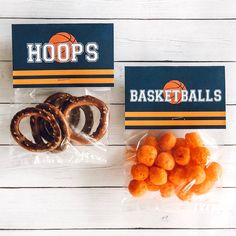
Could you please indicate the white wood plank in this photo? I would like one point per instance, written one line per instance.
(155, 40)
(119, 9)
(16, 173)
(7, 92)
(116, 129)
(120, 232)
(103, 208)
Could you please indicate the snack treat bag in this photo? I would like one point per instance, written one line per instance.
(62, 76)
(174, 119)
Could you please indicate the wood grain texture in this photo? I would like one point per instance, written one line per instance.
(144, 9)
(89, 201)
(171, 40)
(119, 232)
(109, 208)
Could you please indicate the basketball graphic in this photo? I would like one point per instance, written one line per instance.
(174, 85)
(59, 38)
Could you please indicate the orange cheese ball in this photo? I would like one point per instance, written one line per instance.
(199, 155)
(180, 142)
(177, 176)
(139, 171)
(151, 186)
(184, 193)
(180, 167)
(151, 140)
(157, 175)
(213, 171)
(182, 155)
(137, 188)
(193, 140)
(167, 189)
(165, 160)
(167, 141)
(204, 187)
(146, 155)
(195, 173)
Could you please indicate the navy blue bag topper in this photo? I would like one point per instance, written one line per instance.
(175, 97)
(58, 55)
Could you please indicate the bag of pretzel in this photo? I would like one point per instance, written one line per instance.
(62, 76)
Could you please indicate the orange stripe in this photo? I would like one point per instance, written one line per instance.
(62, 72)
(177, 114)
(174, 122)
(64, 81)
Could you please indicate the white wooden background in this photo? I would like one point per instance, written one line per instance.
(70, 201)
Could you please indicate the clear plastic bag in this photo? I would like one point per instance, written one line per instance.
(175, 120)
(62, 76)
(59, 126)
(173, 179)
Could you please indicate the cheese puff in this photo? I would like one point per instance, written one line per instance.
(204, 187)
(199, 155)
(137, 188)
(146, 155)
(184, 193)
(213, 171)
(139, 171)
(157, 175)
(167, 189)
(151, 140)
(180, 142)
(195, 174)
(177, 176)
(193, 140)
(165, 160)
(151, 186)
(182, 155)
(167, 141)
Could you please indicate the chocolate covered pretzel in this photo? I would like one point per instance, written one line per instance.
(41, 129)
(60, 99)
(53, 122)
(26, 143)
(78, 102)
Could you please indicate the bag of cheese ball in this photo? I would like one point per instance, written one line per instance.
(62, 77)
(175, 120)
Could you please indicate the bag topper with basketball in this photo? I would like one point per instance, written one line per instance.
(62, 76)
(174, 118)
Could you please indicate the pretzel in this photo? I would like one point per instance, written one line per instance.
(60, 99)
(26, 143)
(89, 121)
(84, 138)
(41, 129)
